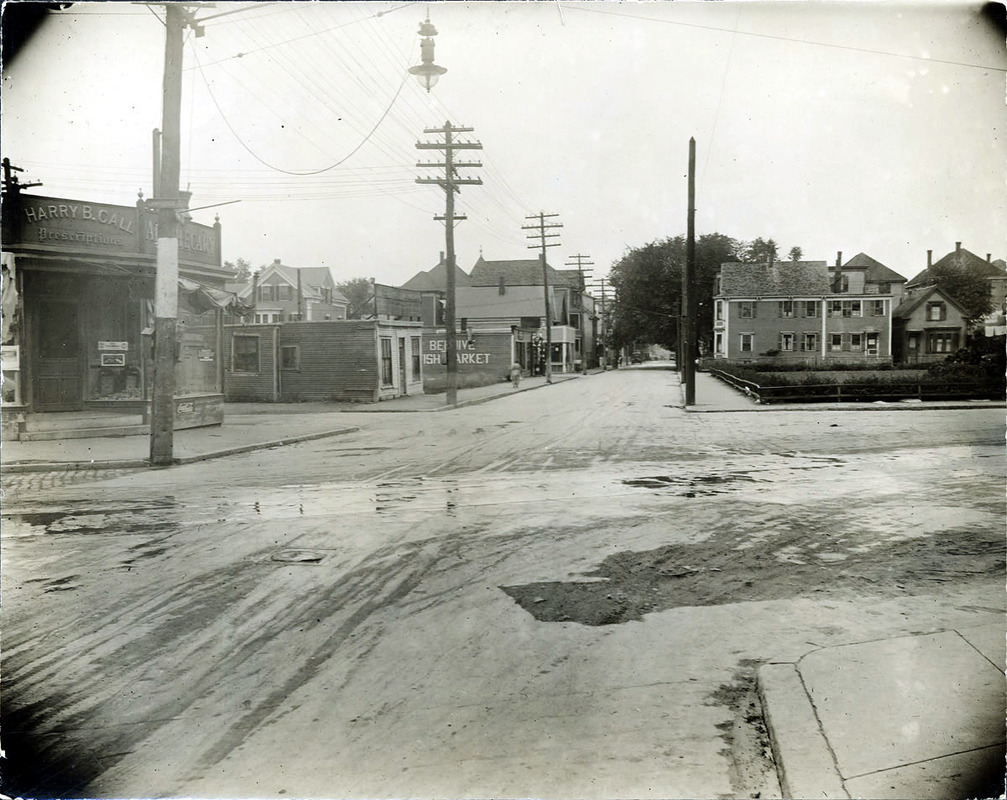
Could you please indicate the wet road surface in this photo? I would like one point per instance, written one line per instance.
(563, 593)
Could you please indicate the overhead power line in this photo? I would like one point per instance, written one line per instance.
(595, 9)
(265, 163)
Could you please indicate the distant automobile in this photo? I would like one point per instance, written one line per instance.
(636, 358)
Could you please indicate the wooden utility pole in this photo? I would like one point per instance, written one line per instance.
(581, 262)
(690, 351)
(450, 183)
(544, 242)
(168, 205)
(602, 331)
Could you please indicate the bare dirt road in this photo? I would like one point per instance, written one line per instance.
(563, 593)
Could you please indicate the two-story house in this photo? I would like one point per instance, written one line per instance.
(961, 259)
(789, 311)
(567, 304)
(281, 293)
(866, 276)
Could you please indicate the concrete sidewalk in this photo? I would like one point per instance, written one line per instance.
(912, 717)
(247, 427)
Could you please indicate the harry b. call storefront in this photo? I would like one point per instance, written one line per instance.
(78, 312)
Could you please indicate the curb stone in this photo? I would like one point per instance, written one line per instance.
(805, 763)
(143, 463)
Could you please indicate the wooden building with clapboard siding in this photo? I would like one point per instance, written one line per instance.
(362, 361)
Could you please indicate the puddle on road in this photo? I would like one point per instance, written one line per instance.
(717, 483)
(150, 517)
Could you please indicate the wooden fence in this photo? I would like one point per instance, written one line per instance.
(862, 392)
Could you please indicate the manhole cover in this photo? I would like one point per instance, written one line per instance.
(298, 557)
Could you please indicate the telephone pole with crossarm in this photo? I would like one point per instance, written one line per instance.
(450, 183)
(542, 226)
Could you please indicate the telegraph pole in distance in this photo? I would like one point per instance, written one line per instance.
(690, 349)
(450, 183)
(582, 261)
(603, 333)
(544, 242)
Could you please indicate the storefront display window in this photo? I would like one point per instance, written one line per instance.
(196, 370)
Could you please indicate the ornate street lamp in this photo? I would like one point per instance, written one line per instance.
(428, 72)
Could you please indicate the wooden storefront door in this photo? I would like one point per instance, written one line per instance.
(403, 385)
(58, 383)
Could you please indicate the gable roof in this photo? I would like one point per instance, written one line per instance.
(313, 280)
(485, 302)
(910, 304)
(518, 272)
(436, 279)
(962, 259)
(782, 279)
(875, 271)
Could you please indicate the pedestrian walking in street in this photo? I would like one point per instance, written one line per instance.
(515, 374)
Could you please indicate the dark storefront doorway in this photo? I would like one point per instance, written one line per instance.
(58, 380)
(403, 383)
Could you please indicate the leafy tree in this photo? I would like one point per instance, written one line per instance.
(759, 250)
(967, 286)
(360, 293)
(648, 287)
(241, 267)
(796, 253)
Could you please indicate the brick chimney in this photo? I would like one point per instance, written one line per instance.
(930, 258)
(276, 261)
(989, 258)
(503, 286)
(958, 247)
(837, 278)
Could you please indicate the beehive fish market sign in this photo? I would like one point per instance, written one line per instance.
(467, 353)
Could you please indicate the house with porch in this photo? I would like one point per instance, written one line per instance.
(790, 311)
(929, 325)
(962, 260)
(570, 307)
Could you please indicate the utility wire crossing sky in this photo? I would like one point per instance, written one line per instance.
(829, 126)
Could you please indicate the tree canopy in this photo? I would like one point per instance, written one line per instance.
(967, 286)
(360, 293)
(241, 267)
(648, 285)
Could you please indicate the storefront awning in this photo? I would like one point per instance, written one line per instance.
(205, 298)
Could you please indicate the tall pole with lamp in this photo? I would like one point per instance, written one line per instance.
(428, 73)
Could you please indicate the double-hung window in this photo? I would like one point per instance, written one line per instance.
(747, 342)
(244, 353)
(386, 361)
(746, 309)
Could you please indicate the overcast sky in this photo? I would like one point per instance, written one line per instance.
(847, 126)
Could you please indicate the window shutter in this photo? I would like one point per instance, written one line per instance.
(755, 308)
(779, 309)
(846, 341)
